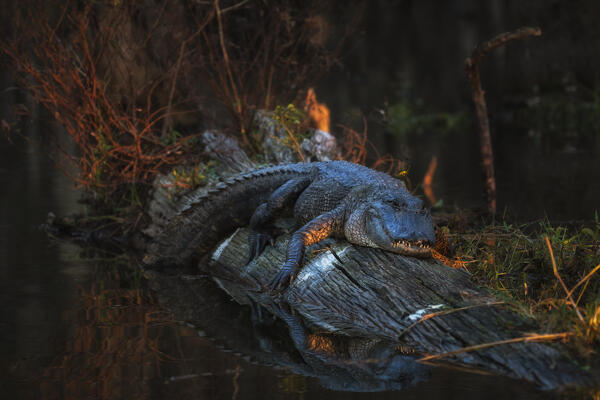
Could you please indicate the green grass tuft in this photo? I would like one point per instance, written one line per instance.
(514, 261)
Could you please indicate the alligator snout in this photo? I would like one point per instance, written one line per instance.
(412, 226)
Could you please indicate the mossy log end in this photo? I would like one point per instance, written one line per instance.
(366, 292)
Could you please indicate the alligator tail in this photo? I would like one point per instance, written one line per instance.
(208, 216)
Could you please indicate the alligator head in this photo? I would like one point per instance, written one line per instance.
(391, 219)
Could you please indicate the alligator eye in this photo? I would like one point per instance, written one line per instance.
(396, 203)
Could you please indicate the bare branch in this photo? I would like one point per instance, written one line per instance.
(472, 71)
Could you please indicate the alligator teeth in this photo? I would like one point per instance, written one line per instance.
(416, 244)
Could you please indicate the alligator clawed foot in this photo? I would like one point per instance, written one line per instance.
(283, 279)
(258, 242)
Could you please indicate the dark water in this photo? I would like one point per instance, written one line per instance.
(76, 325)
(79, 324)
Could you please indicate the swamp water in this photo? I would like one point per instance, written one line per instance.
(76, 324)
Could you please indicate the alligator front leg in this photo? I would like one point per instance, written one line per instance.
(265, 213)
(314, 231)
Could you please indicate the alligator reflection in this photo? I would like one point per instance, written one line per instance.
(339, 362)
(124, 343)
(353, 364)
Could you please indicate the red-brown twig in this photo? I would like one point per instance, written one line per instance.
(358, 148)
(584, 279)
(529, 338)
(428, 181)
(83, 69)
(115, 145)
(296, 143)
(167, 121)
(472, 71)
(562, 283)
(232, 82)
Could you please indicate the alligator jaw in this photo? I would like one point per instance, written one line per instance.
(414, 248)
(409, 247)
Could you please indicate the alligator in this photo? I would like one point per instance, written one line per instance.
(333, 198)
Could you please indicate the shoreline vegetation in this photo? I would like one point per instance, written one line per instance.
(125, 124)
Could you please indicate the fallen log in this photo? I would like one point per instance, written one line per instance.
(420, 304)
(417, 304)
